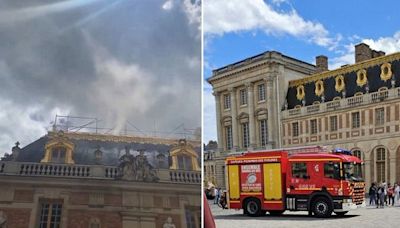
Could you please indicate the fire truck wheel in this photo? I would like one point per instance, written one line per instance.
(252, 207)
(341, 213)
(321, 207)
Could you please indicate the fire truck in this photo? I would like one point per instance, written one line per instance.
(309, 179)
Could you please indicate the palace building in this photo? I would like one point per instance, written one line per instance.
(272, 100)
(88, 180)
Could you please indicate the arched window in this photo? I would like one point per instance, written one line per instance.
(357, 153)
(380, 164)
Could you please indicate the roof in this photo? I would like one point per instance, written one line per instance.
(112, 146)
(350, 75)
(252, 59)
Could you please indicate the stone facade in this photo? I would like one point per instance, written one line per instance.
(355, 107)
(82, 195)
(248, 95)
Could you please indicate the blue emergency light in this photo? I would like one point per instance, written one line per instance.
(342, 151)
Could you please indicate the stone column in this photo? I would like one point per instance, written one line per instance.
(220, 139)
(235, 132)
(252, 121)
(270, 110)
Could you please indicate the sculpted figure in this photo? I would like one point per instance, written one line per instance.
(168, 223)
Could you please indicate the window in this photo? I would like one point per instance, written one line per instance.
(228, 135)
(263, 132)
(245, 132)
(227, 101)
(58, 155)
(191, 220)
(50, 214)
(380, 165)
(299, 170)
(357, 153)
(333, 123)
(379, 116)
(261, 92)
(355, 120)
(313, 126)
(332, 170)
(295, 129)
(185, 162)
(243, 97)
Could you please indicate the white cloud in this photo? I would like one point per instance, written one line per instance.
(168, 5)
(387, 44)
(209, 122)
(24, 124)
(238, 15)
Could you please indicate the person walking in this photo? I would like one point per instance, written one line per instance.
(385, 191)
(216, 194)
(381, 196)
(390, 194)
(396, 194)
(372, 194)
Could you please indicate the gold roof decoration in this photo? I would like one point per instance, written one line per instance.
(300, 92)
(340, 85)
(386, 71)
(346, 69)
(319, 88)
(362, 77)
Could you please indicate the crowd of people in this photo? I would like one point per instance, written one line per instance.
(384, 194)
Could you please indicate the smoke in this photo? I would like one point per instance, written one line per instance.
(122, 64)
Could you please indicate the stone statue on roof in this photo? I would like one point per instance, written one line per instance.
(137, 168)
(127, 162)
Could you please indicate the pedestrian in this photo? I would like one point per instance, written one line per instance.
(396, 194)
(372, 194)
(390, 195)
(216, 195)
(381, 196)
(385, 191)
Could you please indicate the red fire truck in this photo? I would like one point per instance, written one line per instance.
(298, 179)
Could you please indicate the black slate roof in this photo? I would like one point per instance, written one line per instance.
(112, 150)
(373, 70)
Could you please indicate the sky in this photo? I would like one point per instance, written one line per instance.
(115, 60)
(238, 29)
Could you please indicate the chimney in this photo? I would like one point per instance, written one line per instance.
(377, 53)
(322, 63)
(363, 52)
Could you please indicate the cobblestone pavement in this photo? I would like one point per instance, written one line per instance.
(361, 218)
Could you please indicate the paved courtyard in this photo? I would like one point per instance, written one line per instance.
(361, 218)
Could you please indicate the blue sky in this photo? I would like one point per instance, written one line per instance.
(302, 29)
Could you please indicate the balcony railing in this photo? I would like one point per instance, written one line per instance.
(31, 169)
(350, 102)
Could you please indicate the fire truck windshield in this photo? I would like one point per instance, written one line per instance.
(352, 171)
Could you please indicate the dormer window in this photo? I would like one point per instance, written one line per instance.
(185, 162)
(58, 155)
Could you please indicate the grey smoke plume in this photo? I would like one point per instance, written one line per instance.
(127, 61)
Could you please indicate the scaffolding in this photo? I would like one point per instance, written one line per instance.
(95, 125)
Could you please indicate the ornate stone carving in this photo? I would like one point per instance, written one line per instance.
(136, 168)
(168, 223)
